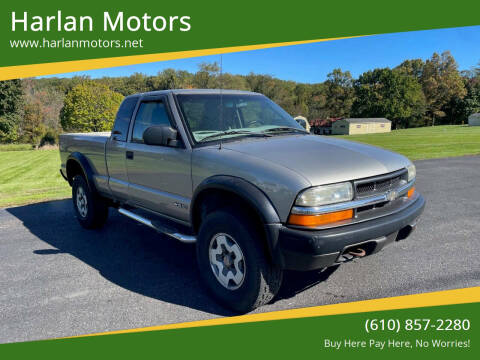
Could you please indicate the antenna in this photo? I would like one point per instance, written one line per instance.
(221, 71)
(221, 97)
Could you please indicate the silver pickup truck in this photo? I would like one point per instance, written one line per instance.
(235, 174)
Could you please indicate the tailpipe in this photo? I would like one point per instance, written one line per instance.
(356, 251)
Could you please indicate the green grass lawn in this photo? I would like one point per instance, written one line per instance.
(15, 147)
(28, 176)
(427, 142)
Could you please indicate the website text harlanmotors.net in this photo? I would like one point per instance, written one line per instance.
(77, 44)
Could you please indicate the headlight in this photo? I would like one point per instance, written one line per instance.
(326, 194)
(412, 172)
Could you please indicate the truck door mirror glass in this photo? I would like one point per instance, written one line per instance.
(160, 135)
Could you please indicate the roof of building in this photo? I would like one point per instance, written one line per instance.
(367, 120)
(324, 122)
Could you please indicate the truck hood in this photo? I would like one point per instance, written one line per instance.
(322, 160)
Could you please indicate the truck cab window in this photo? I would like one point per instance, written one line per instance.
(149, 114)
(124, 114)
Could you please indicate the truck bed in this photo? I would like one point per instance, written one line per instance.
(91, 145)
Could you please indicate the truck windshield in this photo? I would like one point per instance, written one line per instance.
(211, 117)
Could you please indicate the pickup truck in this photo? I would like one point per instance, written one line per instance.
(235, 174)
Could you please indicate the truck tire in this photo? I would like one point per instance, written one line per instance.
(232, 261)
(90, 209)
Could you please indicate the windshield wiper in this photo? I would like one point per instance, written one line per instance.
(285, 129)
(235, 132)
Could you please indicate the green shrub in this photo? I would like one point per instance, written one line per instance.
(50, 137)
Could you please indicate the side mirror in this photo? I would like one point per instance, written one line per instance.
(115, 133)
(160, 135)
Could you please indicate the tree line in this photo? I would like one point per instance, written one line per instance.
(415, 93)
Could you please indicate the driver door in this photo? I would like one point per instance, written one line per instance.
(159, 176)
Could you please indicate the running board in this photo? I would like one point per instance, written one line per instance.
(160, 228)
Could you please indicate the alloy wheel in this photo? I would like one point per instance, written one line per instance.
(227, 261)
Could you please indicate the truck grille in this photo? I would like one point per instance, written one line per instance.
(379, 184)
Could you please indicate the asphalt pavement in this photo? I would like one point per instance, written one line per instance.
(57, 279)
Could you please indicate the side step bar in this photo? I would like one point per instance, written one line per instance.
(160, 228)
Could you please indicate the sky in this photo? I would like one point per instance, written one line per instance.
(311, 63)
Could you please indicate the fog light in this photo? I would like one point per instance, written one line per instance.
(318, 220)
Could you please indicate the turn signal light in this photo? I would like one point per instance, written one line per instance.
(411, 192)
(318, 220)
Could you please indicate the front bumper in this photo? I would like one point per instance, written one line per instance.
(313, 249)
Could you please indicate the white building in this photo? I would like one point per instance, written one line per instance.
(474, 119)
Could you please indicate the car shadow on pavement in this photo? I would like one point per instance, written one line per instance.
(134, 256)
(295, 282)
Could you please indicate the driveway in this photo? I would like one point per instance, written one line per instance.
(57, 279)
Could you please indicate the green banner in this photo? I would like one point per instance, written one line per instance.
(441, 331)
(39, 32)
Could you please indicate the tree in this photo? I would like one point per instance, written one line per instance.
(167, 79)
(317, 102)
(234, 82)
(460, 109)
(135, 83)
(48, 98)
(283, 93)
(390, 94)
(11, 106)
(412, 67)
(339, 92)
(262, 84)
(32, 126)
(302, 94)
(206, 75)
(90, 107)
(441, 84)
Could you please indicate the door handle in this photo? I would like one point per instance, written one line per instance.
(129, 155)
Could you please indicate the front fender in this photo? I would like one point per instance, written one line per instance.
(253, 196)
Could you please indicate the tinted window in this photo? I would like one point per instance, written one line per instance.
(124, 115)
(209, 114)
(149, 114)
